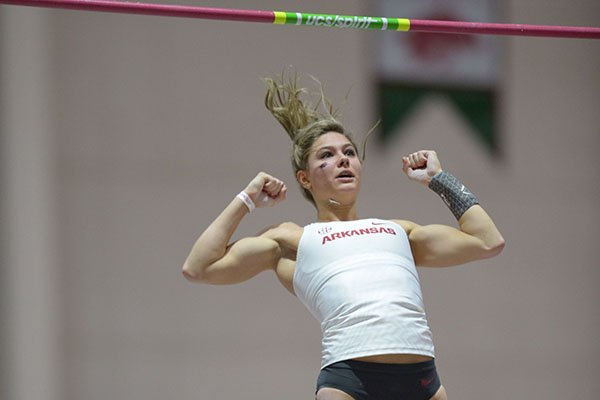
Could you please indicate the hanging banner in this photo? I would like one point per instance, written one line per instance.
(464, 68)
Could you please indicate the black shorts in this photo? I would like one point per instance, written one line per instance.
(375, 381)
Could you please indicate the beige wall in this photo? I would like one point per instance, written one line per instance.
(146, 127)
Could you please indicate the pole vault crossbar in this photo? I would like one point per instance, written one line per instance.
(321, 20)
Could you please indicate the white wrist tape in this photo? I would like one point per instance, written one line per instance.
(243, 196)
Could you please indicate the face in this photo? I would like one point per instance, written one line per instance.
(333, 170)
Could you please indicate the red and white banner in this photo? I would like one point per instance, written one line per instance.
(446, 60)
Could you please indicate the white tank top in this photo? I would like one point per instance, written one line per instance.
(359, 280)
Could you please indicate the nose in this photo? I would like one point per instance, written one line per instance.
(344, 161)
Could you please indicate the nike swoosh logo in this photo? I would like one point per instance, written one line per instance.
(426, 382)
(379, 223)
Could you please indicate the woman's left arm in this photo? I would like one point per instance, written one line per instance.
(440, 245)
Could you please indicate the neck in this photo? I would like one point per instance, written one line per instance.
(336, 211)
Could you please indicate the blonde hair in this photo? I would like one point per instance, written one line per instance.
(303, 121)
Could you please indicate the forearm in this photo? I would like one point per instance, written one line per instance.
(477, 223)
(442, 245)
(472, 219)
(212, 243)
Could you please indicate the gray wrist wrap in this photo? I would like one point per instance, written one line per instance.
(455, 194)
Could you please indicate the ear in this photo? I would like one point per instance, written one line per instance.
(303, 180)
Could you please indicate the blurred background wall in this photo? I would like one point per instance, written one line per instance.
(123, 136)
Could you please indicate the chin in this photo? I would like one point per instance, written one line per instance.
(348, 188)
(345, 196)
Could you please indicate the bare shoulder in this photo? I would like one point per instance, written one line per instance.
(287, 235)
(283, 230)
(408, 226)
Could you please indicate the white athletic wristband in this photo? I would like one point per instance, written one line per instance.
(243, 196)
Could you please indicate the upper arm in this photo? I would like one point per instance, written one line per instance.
(242, 260)
(442, 246)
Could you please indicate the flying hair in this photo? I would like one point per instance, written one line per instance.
(283, 100)
(292, 107)
(304, 116)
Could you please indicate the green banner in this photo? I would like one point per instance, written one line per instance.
(477, 106)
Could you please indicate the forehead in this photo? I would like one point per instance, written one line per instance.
(334, 139)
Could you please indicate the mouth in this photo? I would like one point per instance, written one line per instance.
(345, 175)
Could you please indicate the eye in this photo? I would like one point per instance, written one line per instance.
(325, 154)
(350, 152)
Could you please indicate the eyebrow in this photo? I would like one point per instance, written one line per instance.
(333, 147)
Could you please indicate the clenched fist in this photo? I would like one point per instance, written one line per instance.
(421, 166)
(266, 190)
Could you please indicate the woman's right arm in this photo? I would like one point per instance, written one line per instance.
(212, 260)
